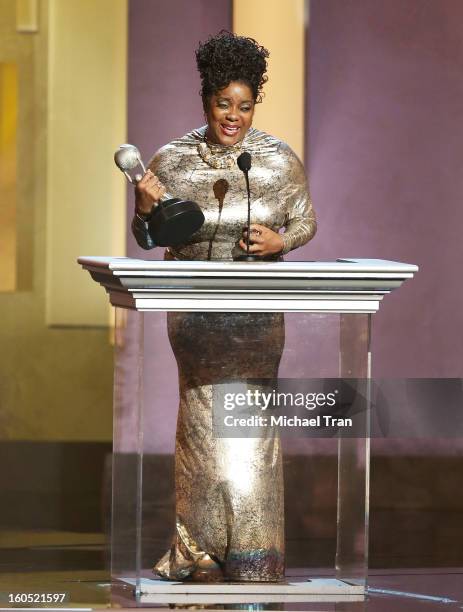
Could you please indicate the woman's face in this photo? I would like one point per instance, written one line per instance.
(229, 113)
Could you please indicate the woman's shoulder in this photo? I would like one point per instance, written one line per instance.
(266, 143)
(178, 146)
(190, 138)
(275, 153)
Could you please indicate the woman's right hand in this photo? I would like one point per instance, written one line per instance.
(148, 192)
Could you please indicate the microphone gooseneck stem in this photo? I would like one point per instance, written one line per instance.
(249, 212)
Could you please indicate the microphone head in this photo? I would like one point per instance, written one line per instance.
(127, 157)
(244, 161)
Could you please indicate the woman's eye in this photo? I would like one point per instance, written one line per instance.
(246, 109)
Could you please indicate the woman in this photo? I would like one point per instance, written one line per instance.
(229, 492)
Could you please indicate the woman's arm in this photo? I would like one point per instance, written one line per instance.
(300, 221)
(140, 231)
(148, 193)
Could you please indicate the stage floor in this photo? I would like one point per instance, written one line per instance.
(401, 591)
(70, 563)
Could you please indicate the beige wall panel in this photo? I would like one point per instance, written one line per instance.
(27, 15)
(8, 178)
(86, 122)
(279, 26)
(55, 383)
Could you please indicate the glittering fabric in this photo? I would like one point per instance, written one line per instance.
(279, 195)
(229, 492)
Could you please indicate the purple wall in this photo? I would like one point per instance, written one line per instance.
(385, 146)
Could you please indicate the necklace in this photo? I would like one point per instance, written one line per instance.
(217, 156)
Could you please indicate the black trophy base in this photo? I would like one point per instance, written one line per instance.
(246, 257)
(174, 221)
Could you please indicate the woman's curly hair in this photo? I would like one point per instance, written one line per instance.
(227, 57)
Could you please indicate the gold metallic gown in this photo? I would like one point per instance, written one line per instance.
(229, 492)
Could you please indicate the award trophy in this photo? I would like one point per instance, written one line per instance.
(173, 220)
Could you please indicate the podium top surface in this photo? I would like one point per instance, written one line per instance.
(344, 285)
(342, 265)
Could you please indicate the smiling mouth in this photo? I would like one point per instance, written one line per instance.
(229, 130)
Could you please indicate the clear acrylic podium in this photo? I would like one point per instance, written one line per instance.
(328, 308)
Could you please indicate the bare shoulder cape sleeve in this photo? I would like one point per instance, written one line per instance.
(300, 221)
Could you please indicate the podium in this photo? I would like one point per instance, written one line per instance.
(328, 308)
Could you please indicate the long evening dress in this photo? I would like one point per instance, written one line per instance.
(229, 492)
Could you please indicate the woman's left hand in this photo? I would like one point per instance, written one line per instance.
(263, 241)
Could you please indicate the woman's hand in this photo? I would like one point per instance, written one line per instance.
(263, 241)
(148, 192)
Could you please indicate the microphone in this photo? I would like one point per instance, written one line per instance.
(174, 220)
(244, 164)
